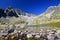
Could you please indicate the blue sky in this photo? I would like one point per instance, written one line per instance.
(31, 6)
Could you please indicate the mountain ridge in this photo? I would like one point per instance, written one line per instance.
(52, 13)
(10, 12)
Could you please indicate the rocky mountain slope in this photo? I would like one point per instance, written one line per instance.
(52, 14)
(13, 16)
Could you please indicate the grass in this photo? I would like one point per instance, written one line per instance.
(54, 24)
(1, 28)
(34, 39)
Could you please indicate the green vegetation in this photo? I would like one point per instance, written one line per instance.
(36, 22)
(33, 38)
(1, 28)
(54, 24)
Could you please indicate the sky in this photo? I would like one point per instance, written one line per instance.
(30, 6)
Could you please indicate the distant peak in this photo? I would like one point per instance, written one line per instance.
(58, 4)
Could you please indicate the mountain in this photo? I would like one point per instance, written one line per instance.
(12, 15)
(52, 14)
(10, 12)
(2, 14)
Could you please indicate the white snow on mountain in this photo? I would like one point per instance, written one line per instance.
(49, 14)
(52, 13)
